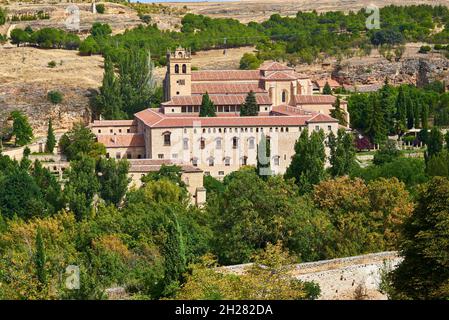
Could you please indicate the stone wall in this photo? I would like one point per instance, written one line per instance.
(348, 278)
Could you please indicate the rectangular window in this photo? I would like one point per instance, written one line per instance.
(195, 162)
(329, 128)
(160, 156)
(317, 128)
(167, 141)
(221, 173)
(118, 155)
(251, 144)
(203, 144)
(276, 161)
(227, 161)
(211, 162)
(186, 144)
(128, 156)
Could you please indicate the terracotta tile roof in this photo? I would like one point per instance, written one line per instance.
(211, 88)
(289, 110)
(217, 99)
(121, 140)
(112, 123)
(219, 75)
(151, 165)
(274, 66)
(280, 75)
(257, 121)
(322, 118)
(316, 99)
(333, 84)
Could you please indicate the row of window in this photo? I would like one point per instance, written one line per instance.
(227, 161)
(118, 155)
(218, 142)
(196, 109)
(118, 130)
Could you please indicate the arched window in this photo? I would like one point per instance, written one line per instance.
(176, 68)
(210, 161)
(184, 68)
(284, 96)
(251, 143)
(227, 161)
(195, 162)
(244, 161)
(218, 144)
(235, 143)
(202, 143)
(167, 140)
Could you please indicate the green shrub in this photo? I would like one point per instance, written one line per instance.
(54, 97)
(52, 64)
(100, 8)
(424, 49)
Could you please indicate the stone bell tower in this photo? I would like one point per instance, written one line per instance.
(178, 77)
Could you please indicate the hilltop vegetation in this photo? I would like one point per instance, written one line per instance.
(304, 38)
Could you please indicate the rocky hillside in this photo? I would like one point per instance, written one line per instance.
(26, 78)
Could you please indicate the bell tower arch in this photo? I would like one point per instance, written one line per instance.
(179, 72)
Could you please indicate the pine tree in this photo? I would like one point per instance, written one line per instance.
(109, 102)
(40, 259)
(21, 129)
(207, 107)
(263, 157)
(249, 108)
(338, 113)
(51, 139)
(327, 89)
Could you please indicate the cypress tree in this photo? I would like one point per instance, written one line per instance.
(417, 107)
(376, 130)
(401, 112)
(174, 254)
(425, 116)
(249, 108)
(40, 258)
(327, 89)
(338, 113)
(207, 107)
(434, 143)
(51, 139)
(410, 111)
